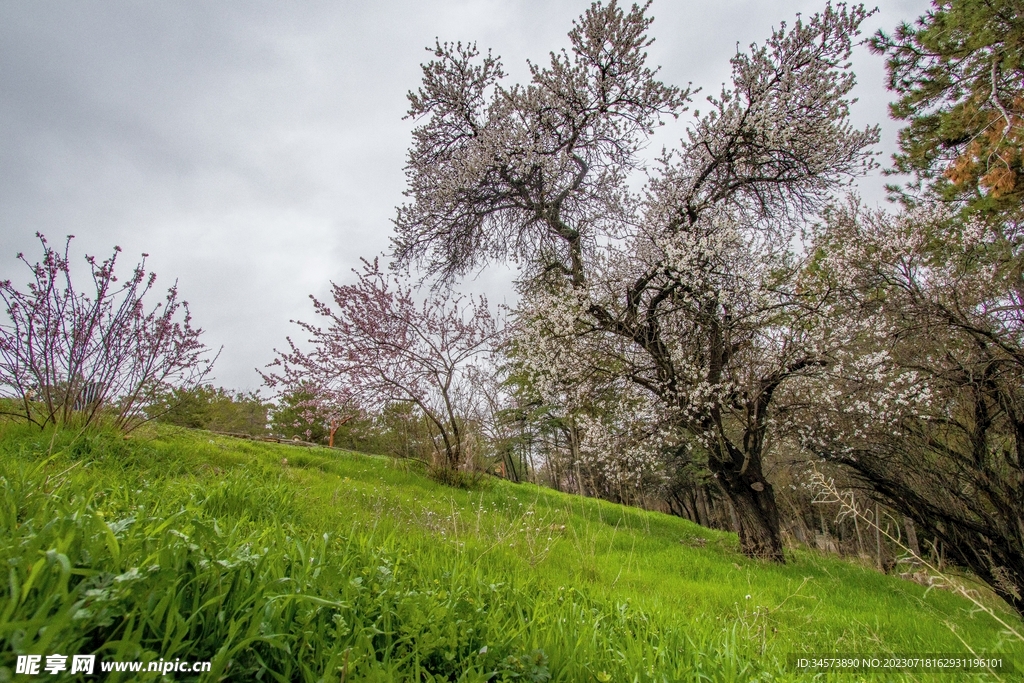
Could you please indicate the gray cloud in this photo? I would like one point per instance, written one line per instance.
(256, 149)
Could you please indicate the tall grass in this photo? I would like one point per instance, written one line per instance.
(283, 565)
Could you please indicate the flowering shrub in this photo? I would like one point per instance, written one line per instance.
(68, 354)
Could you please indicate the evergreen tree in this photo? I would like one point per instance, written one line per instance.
(959, 73)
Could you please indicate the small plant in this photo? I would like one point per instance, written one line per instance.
(68, 355)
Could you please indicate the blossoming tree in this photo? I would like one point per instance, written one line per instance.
(925, 402)
(380, 346)
(686, 290)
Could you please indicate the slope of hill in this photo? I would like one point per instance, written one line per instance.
(276, 563)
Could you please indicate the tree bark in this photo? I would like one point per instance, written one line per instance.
(335, 426)
(754, 501)
(878, 538)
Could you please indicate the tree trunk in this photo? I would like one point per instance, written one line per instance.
(908, 526)
(878, 538)
(799, 527)
(754, 501)
(335, 426)
(702, 508)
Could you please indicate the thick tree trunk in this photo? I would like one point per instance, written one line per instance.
(754, 502)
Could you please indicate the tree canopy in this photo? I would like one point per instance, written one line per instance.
(959, 74)
(681, 290)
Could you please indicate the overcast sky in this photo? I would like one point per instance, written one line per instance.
(255, 149)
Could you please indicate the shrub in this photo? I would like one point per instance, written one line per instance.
(69, 355)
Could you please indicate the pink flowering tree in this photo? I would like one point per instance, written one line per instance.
(67, 354)
(689, 290)
(379, 345)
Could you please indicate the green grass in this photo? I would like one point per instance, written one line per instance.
(337, 566)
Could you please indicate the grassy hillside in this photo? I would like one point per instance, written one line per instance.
(284, 564)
